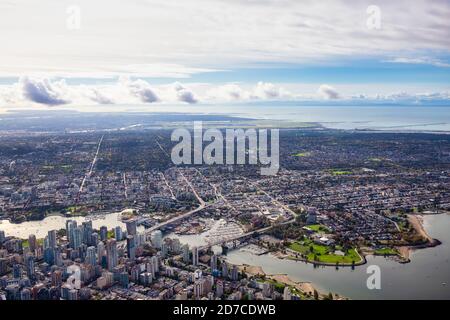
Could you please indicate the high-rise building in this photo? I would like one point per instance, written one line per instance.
(58, 260)
(94, 239)
(198, 289)
(131, 227)
(77, 236)
(224, 270)
(100, 252)
(17, 271)
(131, 247)
(25, 294)
(194, 256)
(111, 254)
(72, 294)
(234, 276)
(267, 289)
(176, 246)
(70, 226)
(186, 253)
(49, 255)
(219, 289)
(213, 262)
(52, 239)
(208, 284)
(118, 234)
(134, 273)
(3, 266)
(12, 292)
(155, 264)
(87, 230)
(109, 276)
(57, 278)
(140, 239)
(32, 243)
(164, 249)
(68, 222)
(145, 279)
(156, 239)
(124, 279)
(287, 293)
(90, 256)
(29, 262)
(103, 233)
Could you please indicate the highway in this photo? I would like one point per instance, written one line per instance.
(184, 215)
(180, 217)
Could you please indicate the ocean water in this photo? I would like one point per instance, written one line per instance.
(427, 276)
(413, 118)
(398, 118)
(381, 117)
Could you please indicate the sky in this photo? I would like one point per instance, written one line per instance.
(58, 52)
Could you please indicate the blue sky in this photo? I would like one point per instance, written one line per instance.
(358, 71)
(345, 72)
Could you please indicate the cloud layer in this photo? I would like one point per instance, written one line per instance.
(30, 91)
(155, 38)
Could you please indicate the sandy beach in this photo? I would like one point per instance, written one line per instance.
(404, 252)
(251, 270)
(306, 287)
(416, 222)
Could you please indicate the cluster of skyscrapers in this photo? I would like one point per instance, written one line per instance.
(79, 262)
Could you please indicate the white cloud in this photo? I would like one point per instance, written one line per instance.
(140, 89)
(183, 94)
(260, 91)
(97, 95)
(8, 95)
(422, 60)
(265, 90)
(328, 92)
(43, 91)
(426, 96)
(227, 92)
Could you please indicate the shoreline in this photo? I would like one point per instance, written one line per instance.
(53, 222)
(416, 221)
(303, 286)
(307, 286)
(60, 214)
